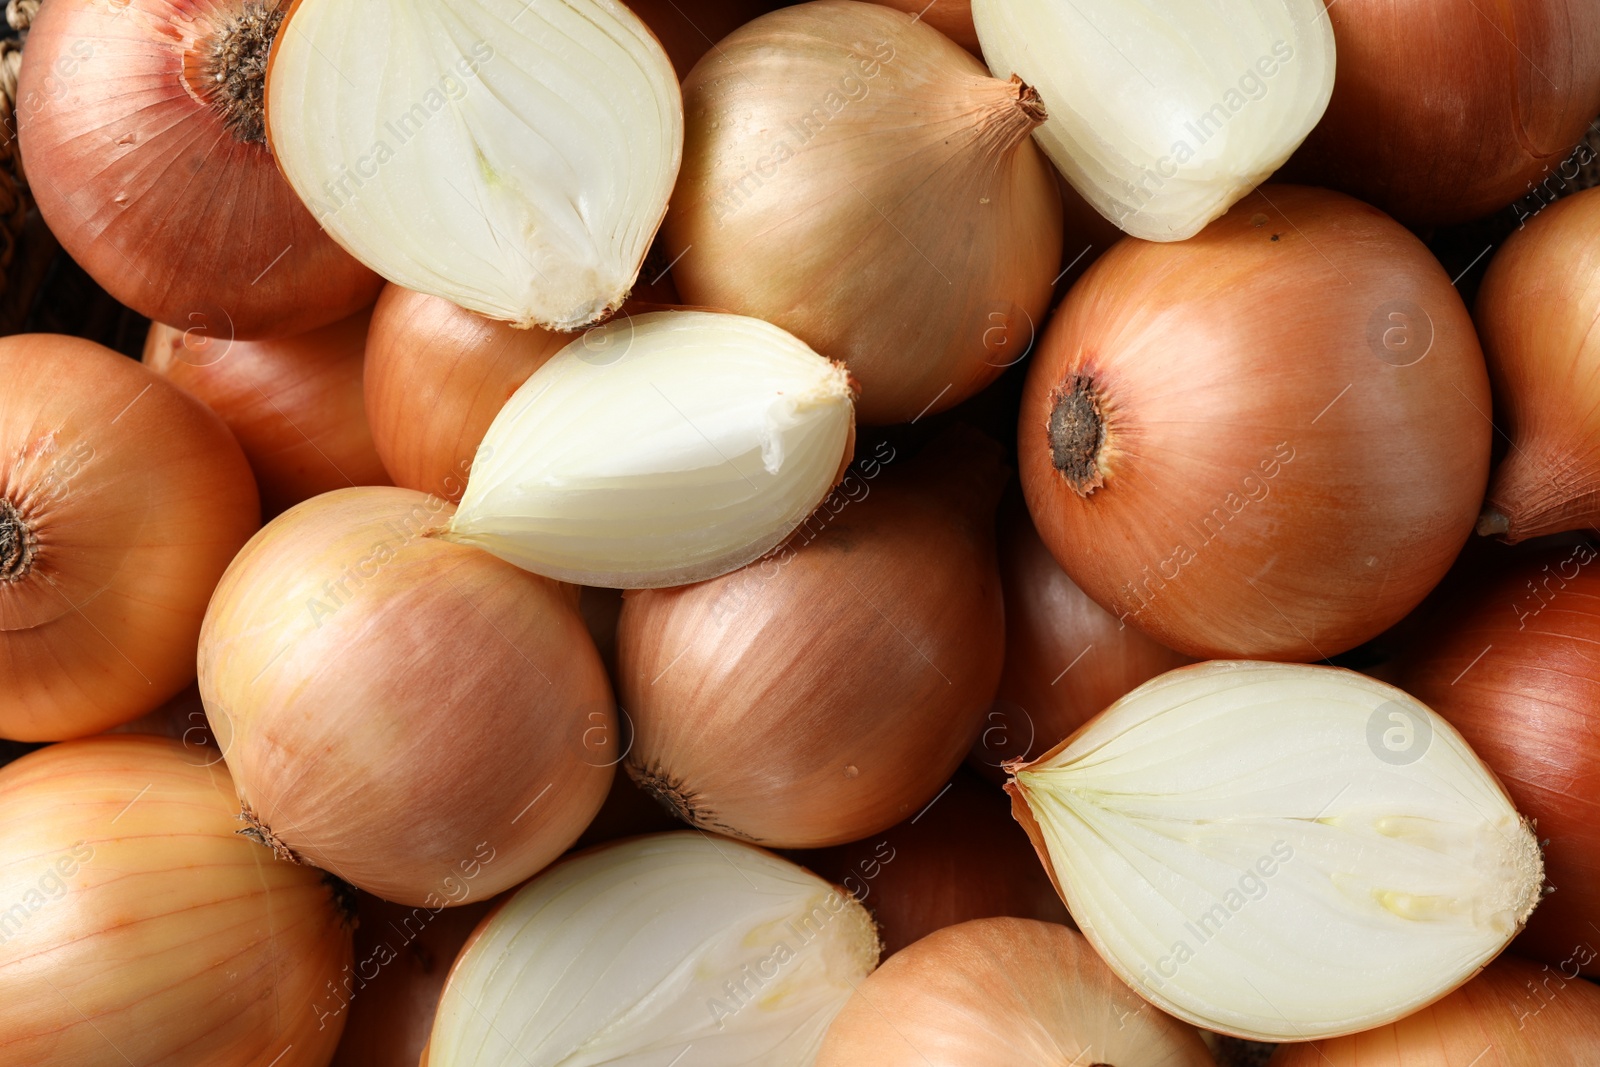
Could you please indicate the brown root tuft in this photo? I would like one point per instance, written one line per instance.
(234, 68)
(261, 834)
(1077, 433)
(17, 544)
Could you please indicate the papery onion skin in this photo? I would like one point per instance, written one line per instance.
(535, 143)
(1163, 116)
(402, 957)
(1226, 811)
(953, 18)
(150, 932)
(1536, 313)
(1301, 477)
(1446, 110)
(1515, 668)
(660, 449)
(294, 404)
(731, 956)
(907, 226)
(152, 193)
(1003, 993)
(436, 376)
(1513, 1014)
(962, 857)
(829, 690)
(1066, 656)
(134, 498)
(427, 722)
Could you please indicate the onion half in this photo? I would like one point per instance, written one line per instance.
(512, 156)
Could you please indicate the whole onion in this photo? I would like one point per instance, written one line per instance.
(1445, 110)
(420, 718)
(294, 403)
(1515, 666)
(142, 123)
(139, 927)
(1268, 441)
(122, 499)
(827, 691)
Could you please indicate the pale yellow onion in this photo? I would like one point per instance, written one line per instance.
(417, 717)
(512, 156)
(1280, 851)
(674, 948)
(1003, 993)
(1163, 115)
(137, 926)
(658, 450)
(855, 177)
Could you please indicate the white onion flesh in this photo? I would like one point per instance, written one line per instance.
(513, 156)
(1280, 851)
(659, 450)
(673, 949)
(1164, 114)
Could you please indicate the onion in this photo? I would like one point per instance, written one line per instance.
(1066, 656)
(141, 121)
(139, 927)
(1278, 851)
(1514, 1013)
(1003, 993)
(1304, 474)
(686, 35)
(436, 376)
(426, 722)
(1164, 115)
(659, 449)
(961, 858)
(1517, 670)
(828, 691)
(953, 18)
(390, 993)
(293, 404)
(1536, 314)
(857, 179)
(1446, 110)
(673, 945)
(512, 156)
(121, 501)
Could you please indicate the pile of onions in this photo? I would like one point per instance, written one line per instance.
(855, 177)
(1513, 1014)
(426, 722)
(143, 129)
(401, 960)
(1536, 313)
(1517, 671)
(141, 928)
(293, 404)
(672, 948)
(512, 156)
(1268, 441)
(436, 376)
(1278, 851)
(828, 691)
(1067, 658)
(963, 857)
(1454, 129)
(1003, 993)
(122, 499)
